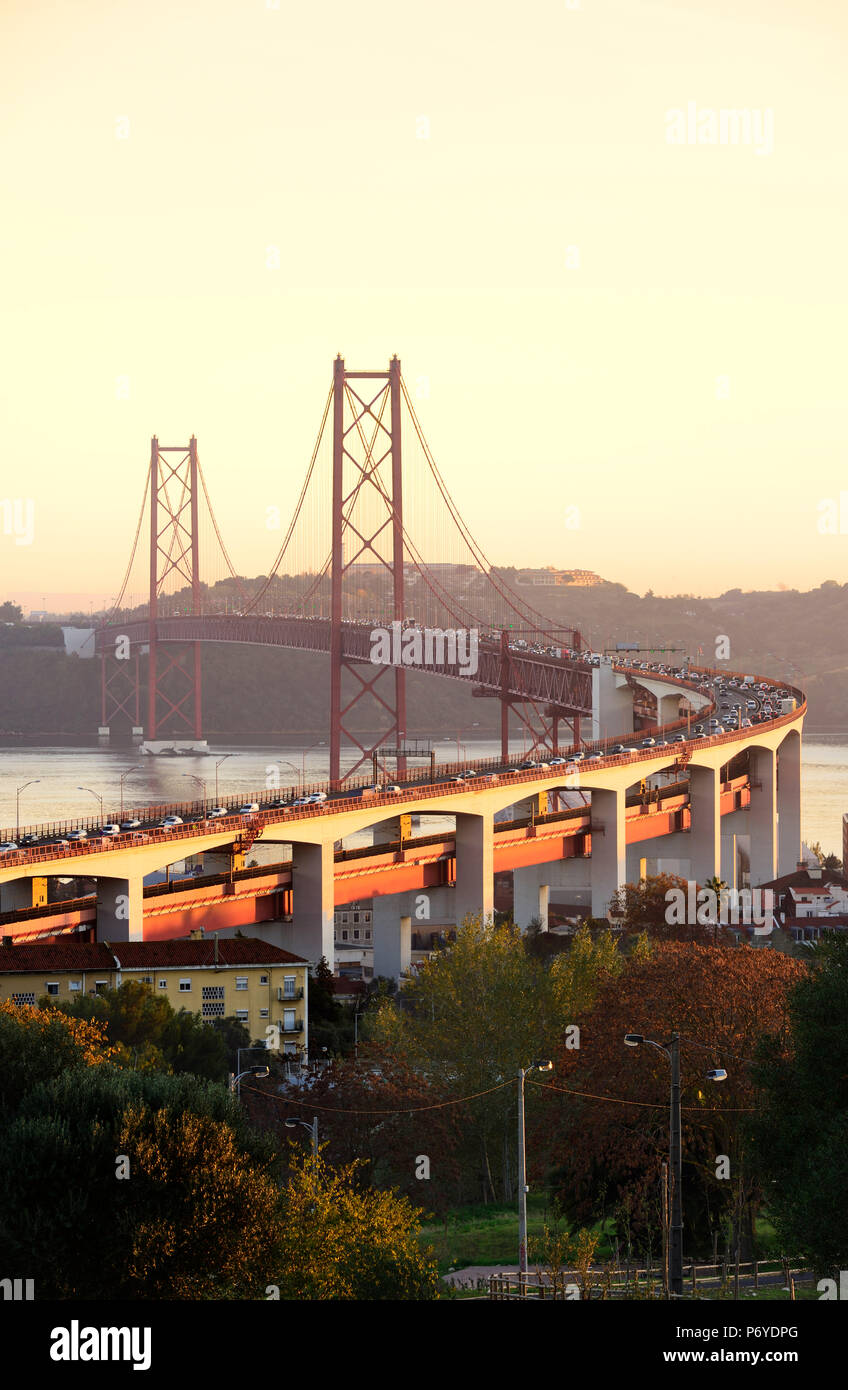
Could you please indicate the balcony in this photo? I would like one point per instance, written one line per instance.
(296, 1027)
(283, 994)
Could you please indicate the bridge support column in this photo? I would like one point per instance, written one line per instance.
(391, 931)
(728, 860)
(668, 708)
(313, 901)
(789, 804)
(612, 704)
(120, 909)
(23, 892)
(762, 816)
(475, 866)
(705, 831)
(530, 898)
(609, 848)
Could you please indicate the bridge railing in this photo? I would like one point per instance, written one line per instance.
(251, 825)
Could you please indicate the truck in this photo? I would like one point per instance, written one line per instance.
(788, 706)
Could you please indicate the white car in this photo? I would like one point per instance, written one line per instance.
(168, 821)
(77, 834)
(111, 829)
(218, 811)
(130, 824)
(7, 846)
(248, 808)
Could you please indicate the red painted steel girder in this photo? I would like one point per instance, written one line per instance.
(544, 679)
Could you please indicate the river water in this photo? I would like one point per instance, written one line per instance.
(57, 773)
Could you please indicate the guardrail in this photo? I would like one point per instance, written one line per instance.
(644, 1282)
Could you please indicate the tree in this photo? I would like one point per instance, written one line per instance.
(342, 1242)
(146, 1033)
(800, 1135)
(480, 1010)
(659, 905)
(606, 1153)
(10, 612)
(36, 1046)
(172, 1190)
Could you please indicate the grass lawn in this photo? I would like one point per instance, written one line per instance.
(488, 1235)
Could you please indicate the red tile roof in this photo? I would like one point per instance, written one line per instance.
(134, 955)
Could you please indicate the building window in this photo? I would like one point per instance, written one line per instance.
(288, 986)
(212, 991)
(75, 984)
(344, 936)
(356, 936)
(212, 1010)
(263, 979)
(241, 982)
(53, 988)
(263, 1013)
(243, 1015)
(290, 1049)
(356, 916)
(367, 936)
(185, 986)
(23, 998)
(100, 985)
(288, 1020)
(163, 984)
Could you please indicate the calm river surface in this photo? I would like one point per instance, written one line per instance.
(58, 771)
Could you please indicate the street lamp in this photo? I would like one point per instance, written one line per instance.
(235, 1081)
(96, 794)
(322, 743)
(217, 765)
(284, 762)
(672, 1052)
(121, 779)
(30, 783)
(522, 1180)
(292, 1124)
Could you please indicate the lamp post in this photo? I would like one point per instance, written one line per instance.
(97, 795)
(672, 1052)
(284, 762)
(259, 1072)
(313, 1128)
(121, 779)
(30, 783)
(217, 765)
(522, 1164)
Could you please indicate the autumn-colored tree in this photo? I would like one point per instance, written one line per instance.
(340, 1241)
(605, 1141)
(122, 1184)
(37, 1045)
(659, 906)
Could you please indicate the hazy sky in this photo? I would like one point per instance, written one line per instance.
(648, 331)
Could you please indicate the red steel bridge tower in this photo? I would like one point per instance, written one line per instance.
(173, 670)
(362, 442)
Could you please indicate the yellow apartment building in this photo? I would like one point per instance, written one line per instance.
(261, 985)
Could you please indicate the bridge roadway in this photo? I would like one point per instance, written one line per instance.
(770, 818)
(540, 677)
(420, 863)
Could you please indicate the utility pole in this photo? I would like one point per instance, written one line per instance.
(676, 1171)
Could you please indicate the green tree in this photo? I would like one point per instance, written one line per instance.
(480, 1010)
(10, 612)
(800, 1134)
(343, 1241)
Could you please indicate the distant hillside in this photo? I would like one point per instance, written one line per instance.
(801, 637)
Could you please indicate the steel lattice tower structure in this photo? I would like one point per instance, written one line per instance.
(174, 675)
(356, 461)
